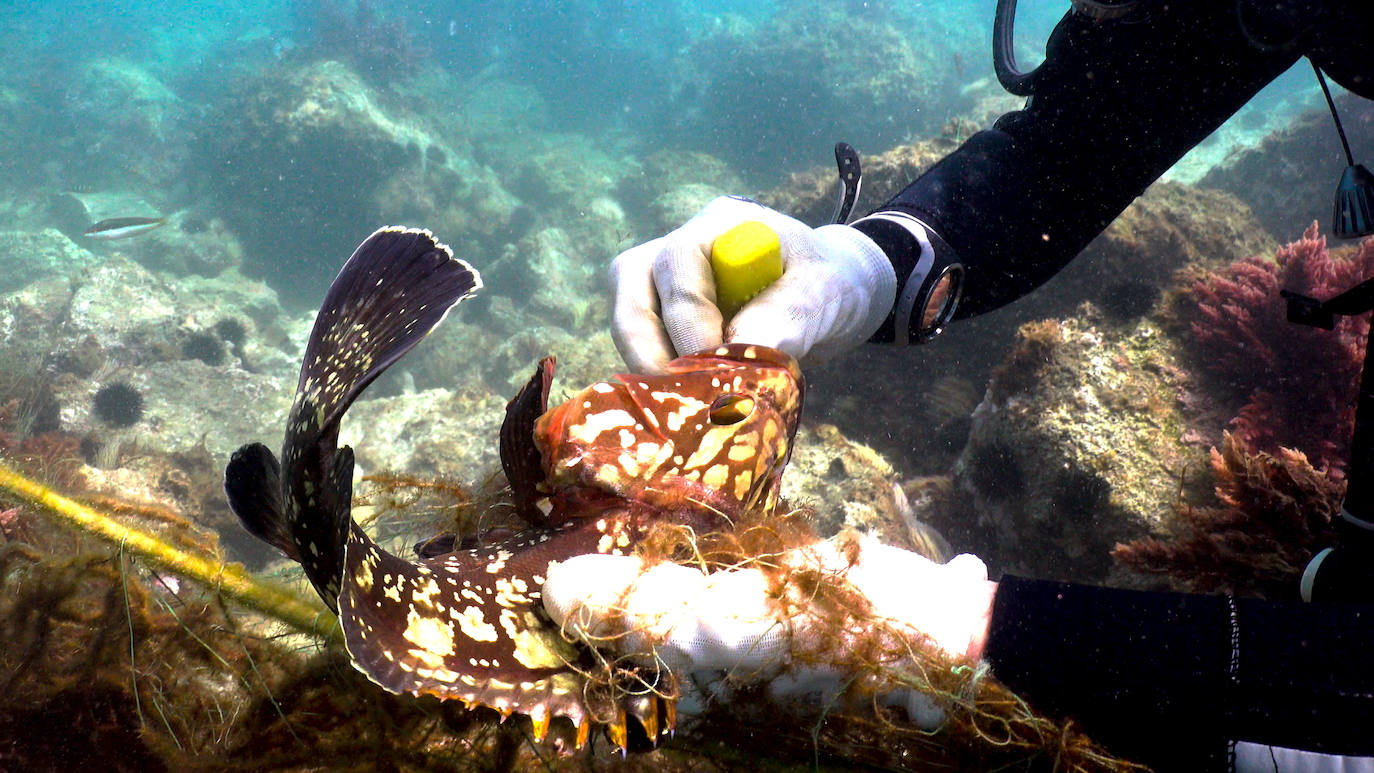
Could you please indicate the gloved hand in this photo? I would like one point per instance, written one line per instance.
(755, 624)
(837, 287)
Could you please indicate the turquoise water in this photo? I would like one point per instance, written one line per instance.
(538, 140)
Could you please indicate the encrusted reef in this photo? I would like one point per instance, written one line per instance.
(1289, 177)
(306, 152)
(1079, 444)
(788, 87)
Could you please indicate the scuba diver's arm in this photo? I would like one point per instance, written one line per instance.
(1170, 679)
(1116, 104)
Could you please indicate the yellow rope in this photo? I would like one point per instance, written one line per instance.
(307, 616)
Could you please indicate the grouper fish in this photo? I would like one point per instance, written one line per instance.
(694, 448)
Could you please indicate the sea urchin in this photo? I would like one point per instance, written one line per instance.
(203, 346)
(118, 404)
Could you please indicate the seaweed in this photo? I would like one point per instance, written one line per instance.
(1298, 384)
(1274, 515)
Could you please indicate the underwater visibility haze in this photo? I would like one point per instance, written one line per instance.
(184, 183)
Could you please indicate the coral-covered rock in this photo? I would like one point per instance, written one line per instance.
(1298, 383)
(1078, 445)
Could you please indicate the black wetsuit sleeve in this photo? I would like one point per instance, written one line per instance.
(1169, 679)
(1117, 103)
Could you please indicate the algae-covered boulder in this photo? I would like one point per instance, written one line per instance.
(1079, 444)
(1289, 177)
(308, 159)
(900, 400)
(211, 359)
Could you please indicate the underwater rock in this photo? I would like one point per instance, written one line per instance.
(186, 404)
(137, 317)
(672, 185)
(554, 278)
(121, 122)
(188, 244)
(313, 143)
(1288, 178)
(435, 433)
(781, 92)
(24, 116)
(32, 256)
(1078, 445)
(844, 484)
(445, 421)
(97, 321)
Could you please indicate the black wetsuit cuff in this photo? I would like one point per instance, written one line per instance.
(894, 231)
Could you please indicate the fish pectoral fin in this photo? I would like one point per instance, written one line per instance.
(436, 546)
(452, 629)
(252, 483)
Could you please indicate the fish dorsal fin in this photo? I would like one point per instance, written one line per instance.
(520, 458)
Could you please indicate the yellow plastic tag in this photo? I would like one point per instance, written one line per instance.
(744, 259)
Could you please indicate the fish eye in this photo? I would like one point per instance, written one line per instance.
(731, 409)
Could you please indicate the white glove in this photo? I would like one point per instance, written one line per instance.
(837, 287)
(736, 621)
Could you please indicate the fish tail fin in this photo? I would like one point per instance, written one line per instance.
(398, 286)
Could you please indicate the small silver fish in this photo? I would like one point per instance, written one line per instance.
(123, 227)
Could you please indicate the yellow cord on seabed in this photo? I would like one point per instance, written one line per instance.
(307, 616)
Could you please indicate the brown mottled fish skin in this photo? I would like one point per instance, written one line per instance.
(398, 285)
(113, 228)
(697, 445)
